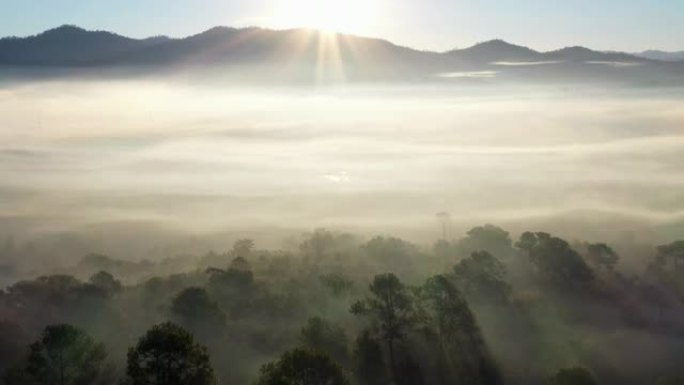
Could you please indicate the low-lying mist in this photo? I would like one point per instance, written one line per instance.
(132, 166)
(468, 232)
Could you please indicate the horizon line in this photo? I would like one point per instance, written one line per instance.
(322, 31)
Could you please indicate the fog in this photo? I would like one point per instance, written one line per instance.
(212, 158)
(121, 202)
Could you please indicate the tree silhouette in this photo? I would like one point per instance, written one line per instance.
(555, 259)
(65, 355)
(106, 282)
(461, 345)
(338, 284)
(391, 251)
(671, 255)
(490, 238)
(13, 341)
(196, 311)
(242, 248)
(369, 366)
(168, 355)
(482, 276)
(320, 335)
(391, 310)
(572, 376)
(602, 255)
(302, 367)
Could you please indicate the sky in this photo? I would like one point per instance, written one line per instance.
(625, 25)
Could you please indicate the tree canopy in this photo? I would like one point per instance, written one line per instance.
(555, 259)
(572, 376)
(168, 355)
(65, 355)
(302, 367)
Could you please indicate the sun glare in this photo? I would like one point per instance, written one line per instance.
(348, 16)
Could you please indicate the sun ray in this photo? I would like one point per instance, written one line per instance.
(349, 16)
(318, 31)
(329, 66)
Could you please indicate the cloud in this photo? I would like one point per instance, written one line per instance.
(338, 177)
(377, 156)
(525, 63)
(617, 64)
(471, 74)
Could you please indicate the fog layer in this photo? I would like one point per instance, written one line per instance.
(211, 159)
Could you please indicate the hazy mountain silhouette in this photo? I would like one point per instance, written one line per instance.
(69, 45)
(495, 51)
(582, 54)
(298, 53)
(662, 55)
(257, 45)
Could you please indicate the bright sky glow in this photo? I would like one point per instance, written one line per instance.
(349, 16)
(626, 25)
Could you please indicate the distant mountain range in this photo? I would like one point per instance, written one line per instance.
(662, 55)
(298, 53)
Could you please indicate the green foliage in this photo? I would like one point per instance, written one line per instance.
(492, 239)
(446, 331)
(674, 250)
(482, 276)
(667, 268)
(234, 289)
(168, 355)
(391, 311)
(212, 258)
(369, 368)
(196, 310)
(65, 355)
(527, 241)
(106, 282)
(242, 248)
(602, 255)
(390, 251)
(555, 259)
(240, 264)
(572, 376)
(55, 299)
(338, 284)
(232, 279)
(100, 262)
(302, 367)
(444, 249)
(390, 306)
(670, 258)
(320, 335)
(459, 340)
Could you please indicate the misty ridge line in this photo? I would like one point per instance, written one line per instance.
(652, 54)
(305, 53)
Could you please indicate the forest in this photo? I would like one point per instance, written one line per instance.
(488, 307)
(327, 192)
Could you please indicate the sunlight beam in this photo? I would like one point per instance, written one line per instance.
(349, 16)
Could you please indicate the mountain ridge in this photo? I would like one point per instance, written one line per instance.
(302, 53)
(662, 55)
(484, 50)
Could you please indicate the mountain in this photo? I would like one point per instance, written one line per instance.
(662, 55)
(302, 54)
(496, 51)
(582, 54)
(68, 45)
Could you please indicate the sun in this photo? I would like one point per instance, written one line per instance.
(345, 16)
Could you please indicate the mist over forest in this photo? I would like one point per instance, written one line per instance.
(492, 215)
